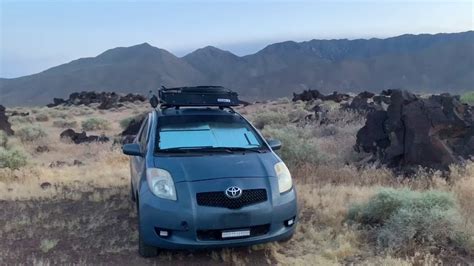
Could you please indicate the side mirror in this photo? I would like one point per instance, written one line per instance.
(132, 149)
(274, 144)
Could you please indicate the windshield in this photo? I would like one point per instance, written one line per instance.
(206, 132)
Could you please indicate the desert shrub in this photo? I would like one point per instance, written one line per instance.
(62, 123)
(269, 118)
(468, 97)
(83, 110)
(55, 113)
(297, 114)
(404, 220)
(95, 123)
(297, 145)
(12, 158)
(30, 133)
(20, 119)
(125, 122)
(42, 117)
(3, 139)
(284, 100)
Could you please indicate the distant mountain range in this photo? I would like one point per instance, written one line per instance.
(430, 63)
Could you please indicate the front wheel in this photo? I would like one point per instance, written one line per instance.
(144, 250)
(132, 193)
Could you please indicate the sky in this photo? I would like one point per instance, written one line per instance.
(36, 35)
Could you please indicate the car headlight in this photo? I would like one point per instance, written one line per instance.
(161, 184)
(284, 177)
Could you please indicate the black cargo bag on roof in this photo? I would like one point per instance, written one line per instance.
(198, 96)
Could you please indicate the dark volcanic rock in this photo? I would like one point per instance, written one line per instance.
(4, 124)
(45, 185)
(41, 149)
(366, 94)
(433, 132)
(106, 100)
(82, 137)
(77, 163)
(337, 97)
(368, 102)
(132, 97)
(309, 95)
(16, 113)
(362, 104)
(372, 136)
(57, 164)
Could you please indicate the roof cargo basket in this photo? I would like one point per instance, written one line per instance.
(197, 96)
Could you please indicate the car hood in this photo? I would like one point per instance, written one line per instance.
(216, 166)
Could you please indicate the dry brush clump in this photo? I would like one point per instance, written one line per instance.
(63, 123)
(406, 221)
(95, 123)
(42, 117)
(30, 133)
(12, 158)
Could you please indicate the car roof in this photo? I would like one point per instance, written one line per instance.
(183, 111)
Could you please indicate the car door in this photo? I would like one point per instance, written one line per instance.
(138, 162)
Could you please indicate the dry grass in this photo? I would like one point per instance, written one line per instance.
(85, 217)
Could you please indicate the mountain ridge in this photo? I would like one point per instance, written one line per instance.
(425, 62)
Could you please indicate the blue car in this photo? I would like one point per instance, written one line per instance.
(203, 177)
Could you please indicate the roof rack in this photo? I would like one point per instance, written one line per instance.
(198, 96)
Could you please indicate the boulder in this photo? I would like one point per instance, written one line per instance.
(131, 97)
(366, 94)
(57, 164)
(106, 100)
(310, 95)
(41, 149)
(414, 131)
(4, 124)
(45, 185)
(336, 97)
(372, 136)
(362, 105)
(82, 137)
(16, 113)
(307, 95)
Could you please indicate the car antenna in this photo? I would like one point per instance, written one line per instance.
(153, 99)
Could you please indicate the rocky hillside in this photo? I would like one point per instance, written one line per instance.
(441, 62)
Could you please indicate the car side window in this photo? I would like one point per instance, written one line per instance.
(142, 138)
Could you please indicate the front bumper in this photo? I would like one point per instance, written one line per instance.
(183, 219)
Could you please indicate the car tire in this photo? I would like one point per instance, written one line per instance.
(132, 193)
(144, 250)
(286, 239)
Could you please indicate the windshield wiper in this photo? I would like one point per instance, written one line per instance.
(259, 150)
(209, 149)
(195, 149)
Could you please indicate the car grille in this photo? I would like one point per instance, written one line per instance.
(210, 235)
(219, 199)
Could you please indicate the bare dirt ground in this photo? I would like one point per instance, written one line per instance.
(81, 214)
(86, 231)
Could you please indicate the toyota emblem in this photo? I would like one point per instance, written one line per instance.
(233, 192)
